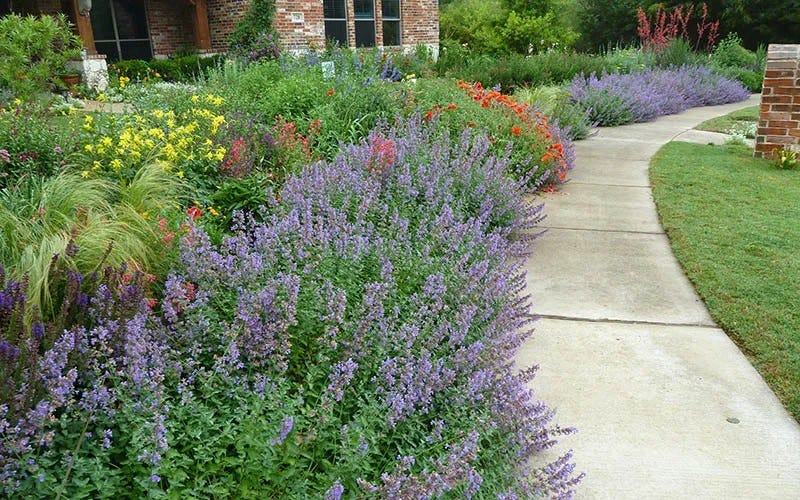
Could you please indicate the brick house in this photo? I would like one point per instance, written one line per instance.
(141, 29)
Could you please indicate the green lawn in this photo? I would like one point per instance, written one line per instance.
(730, 121)
(734, 224)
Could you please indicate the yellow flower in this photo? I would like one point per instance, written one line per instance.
(17, 102)
(213, 212)
(100, 149)
(96, 165)
(195, 98)
(89, 148)
(158, 113)
(156, 133)
(107, 141)
(101, 97)
(179, 174)
(85, 174)
(116, 164)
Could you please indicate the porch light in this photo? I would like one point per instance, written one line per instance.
(84, 7)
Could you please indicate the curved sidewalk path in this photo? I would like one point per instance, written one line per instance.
(665, 404)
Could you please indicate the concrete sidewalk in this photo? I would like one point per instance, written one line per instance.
(665, 404)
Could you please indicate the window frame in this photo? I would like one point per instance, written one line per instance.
(326, 20)
(398, 20)
(365, 20)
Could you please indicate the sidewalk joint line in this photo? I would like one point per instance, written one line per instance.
(623, 321)
(568, 184)
(622, 231)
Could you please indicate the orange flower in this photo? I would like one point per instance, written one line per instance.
(194, 213)
(330, 92)
(452, 106)
(516, 130)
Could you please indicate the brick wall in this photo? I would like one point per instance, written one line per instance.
(779, 117)
(170, 23)
(419, 22)
(222, 18)
(299, 24)
(170, 26)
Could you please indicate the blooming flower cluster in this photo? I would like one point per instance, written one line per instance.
(617, 99)
(118, 146)
(551, 152)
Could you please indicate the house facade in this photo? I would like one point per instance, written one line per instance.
(142, 29)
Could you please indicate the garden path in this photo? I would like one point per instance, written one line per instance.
(665, 404)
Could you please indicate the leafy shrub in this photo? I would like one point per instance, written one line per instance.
(514, 71)
(257, 21)
(616, 99)
(34, 51)
(732, 60)
(184, 68)
(674, 54)
(308, 355)
(32, 145)
(505, 26)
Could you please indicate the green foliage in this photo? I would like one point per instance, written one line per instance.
(34, 51)
(730, 53)
(185, 68)
(606, 23)
(554, 102)
(257, 21)
(731, 59)
(785, 158)
(504, 26)
(33, 146)
(513, 71)
(741, 119)
(476, 24)
(674, 55)
(110, 224)
(739, 248)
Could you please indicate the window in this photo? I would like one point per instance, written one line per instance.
(120, 29)
(335, 21)
(390, 10)
(364, 13)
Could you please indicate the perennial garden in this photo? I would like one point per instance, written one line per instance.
(277, 281)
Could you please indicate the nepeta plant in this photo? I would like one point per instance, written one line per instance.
(83, 390)
(617, 99)
(372, 319)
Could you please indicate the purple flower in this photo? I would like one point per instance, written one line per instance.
(335, 491)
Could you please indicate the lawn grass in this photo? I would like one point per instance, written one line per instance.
(733, 224)
(730, 121)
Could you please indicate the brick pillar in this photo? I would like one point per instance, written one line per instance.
(779, 117)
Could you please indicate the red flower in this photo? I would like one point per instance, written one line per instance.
(330, 92)
(194, 213)
(451, 106)
(516, 130)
